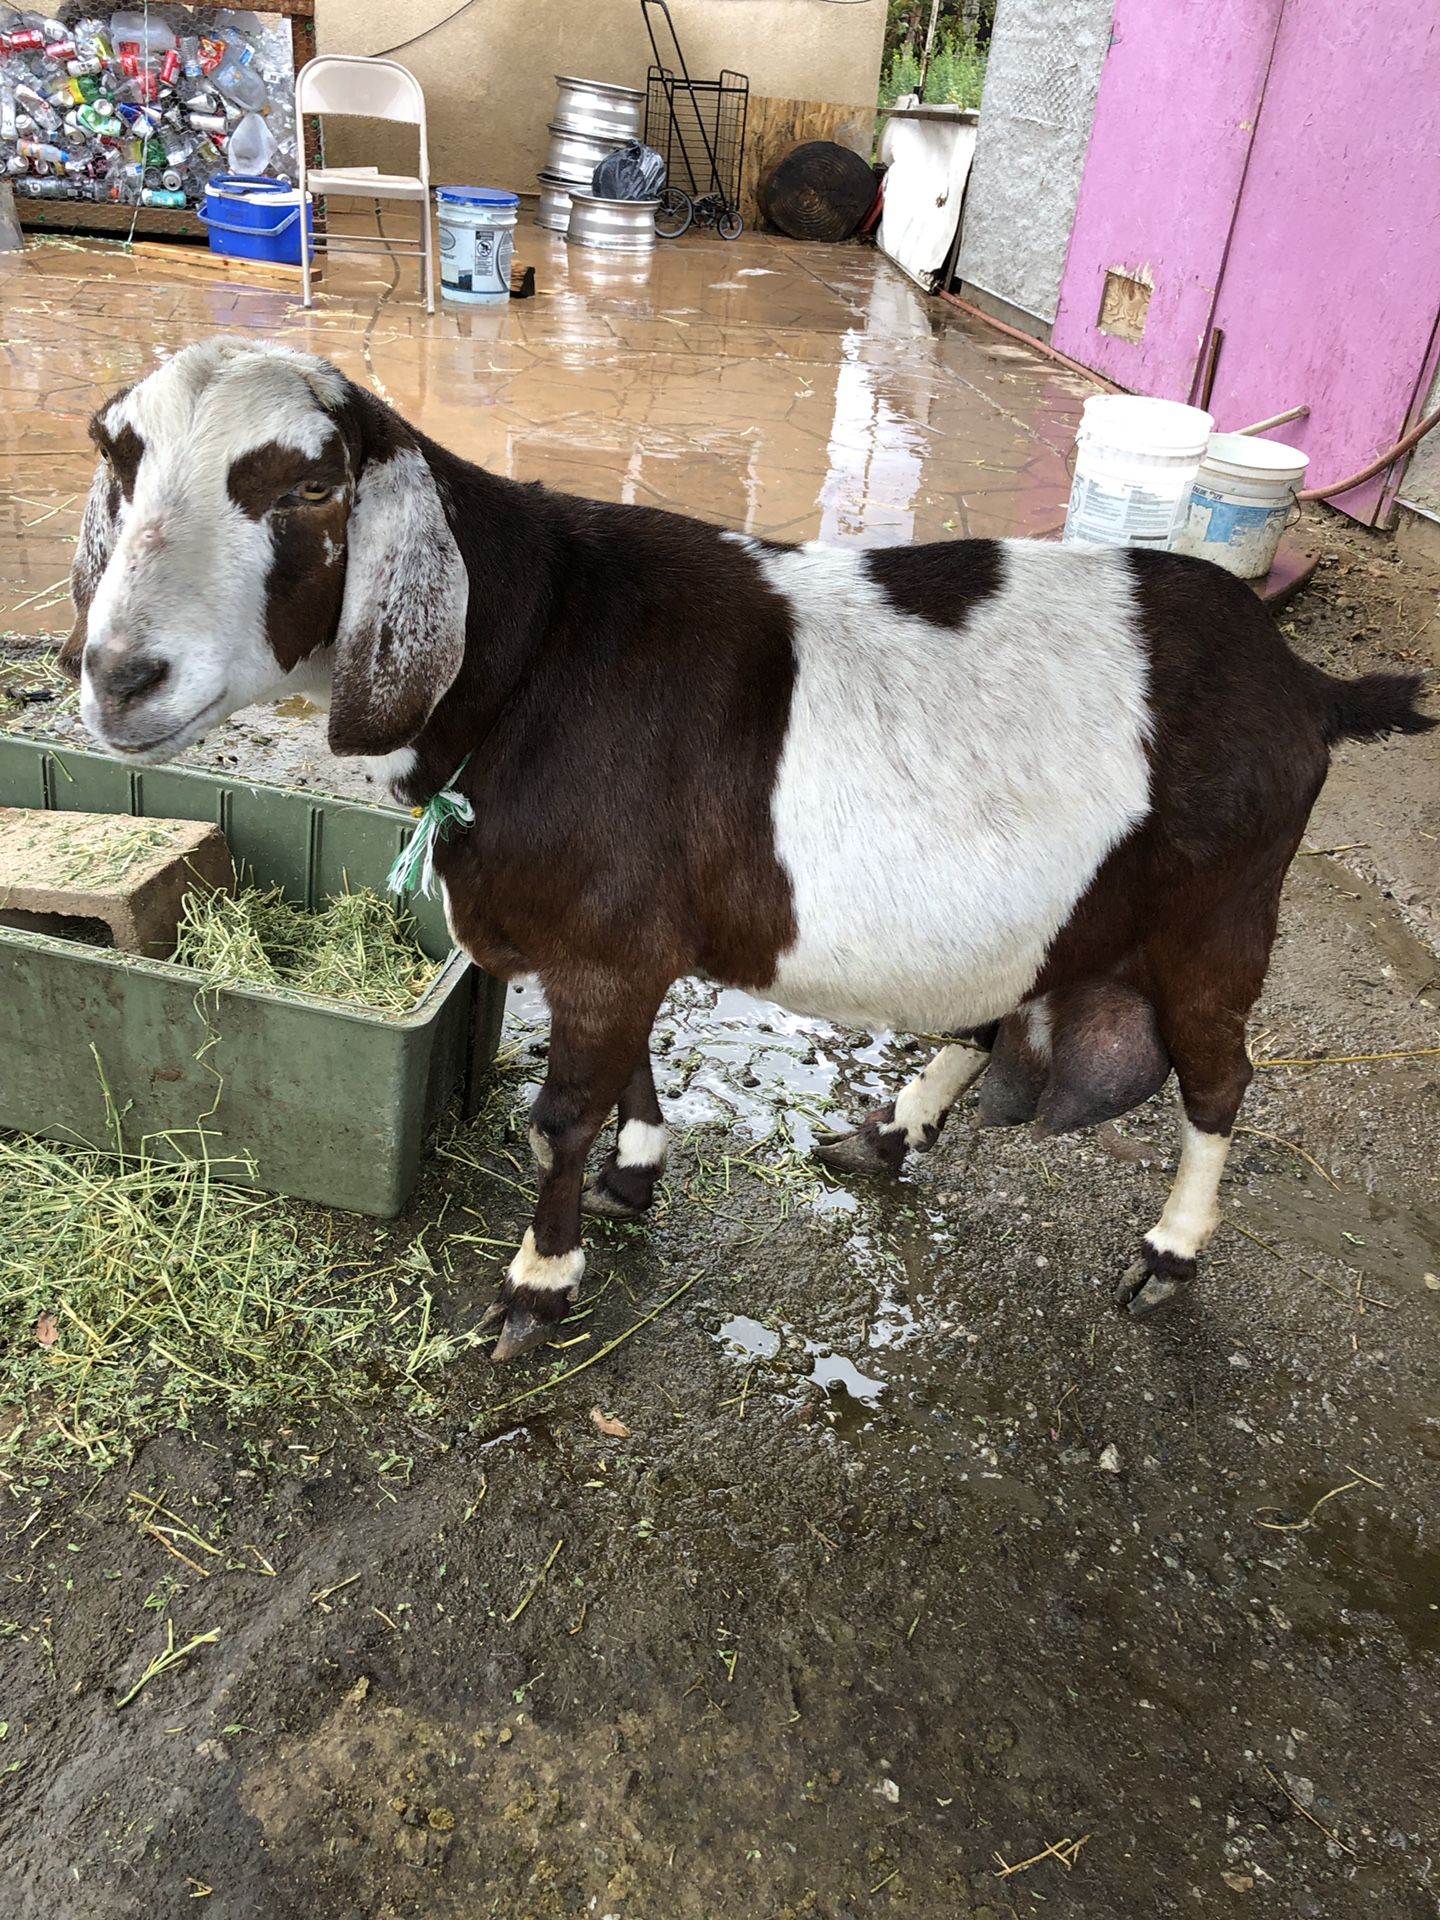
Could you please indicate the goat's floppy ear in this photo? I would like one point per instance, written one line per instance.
(401, 636)
(92, 555)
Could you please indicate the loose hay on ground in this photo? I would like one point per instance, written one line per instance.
(170, 1290)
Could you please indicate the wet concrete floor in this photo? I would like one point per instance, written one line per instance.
(784, 390)
(918, 1582)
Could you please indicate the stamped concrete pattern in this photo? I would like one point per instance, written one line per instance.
(786, 391)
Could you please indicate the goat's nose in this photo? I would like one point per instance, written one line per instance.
(124, 675)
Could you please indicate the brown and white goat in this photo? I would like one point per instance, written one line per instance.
(976, 787)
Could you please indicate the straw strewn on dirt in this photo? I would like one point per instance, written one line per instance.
(136, 1287)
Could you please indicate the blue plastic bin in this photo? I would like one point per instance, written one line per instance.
(254, 219)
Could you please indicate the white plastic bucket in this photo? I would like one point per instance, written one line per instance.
(1242, 498)
(477, 241)
(1135, 463)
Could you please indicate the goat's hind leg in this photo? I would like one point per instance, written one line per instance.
(1206, 1040)
(914, 1118)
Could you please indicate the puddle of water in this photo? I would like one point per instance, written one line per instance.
(722, 1057)
(1365, 1232)
(1380, 1567)
(1374, 917)
(834, 1370)
(755, 1340)
(852, 1395)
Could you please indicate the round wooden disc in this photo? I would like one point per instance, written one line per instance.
(818, 191)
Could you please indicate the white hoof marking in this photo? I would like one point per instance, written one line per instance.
(547, 1273)
(923, 1104)
(640, 1144)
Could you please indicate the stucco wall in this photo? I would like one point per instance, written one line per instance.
(1040, 88)
(488, 73)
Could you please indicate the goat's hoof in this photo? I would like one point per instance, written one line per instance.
(521, 1328)
(528, 1315)
(1153, 1282)
(596, 1198)
(869, 1150)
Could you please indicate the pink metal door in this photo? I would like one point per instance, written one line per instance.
(1265, 174)
(1331, 287)
(1174, 118)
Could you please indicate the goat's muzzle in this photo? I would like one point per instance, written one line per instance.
(122, 674)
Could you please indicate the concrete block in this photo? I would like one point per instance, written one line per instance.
(131, 875)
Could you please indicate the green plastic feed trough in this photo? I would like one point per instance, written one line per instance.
(326, 1102)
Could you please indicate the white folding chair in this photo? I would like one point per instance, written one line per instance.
(370, 90)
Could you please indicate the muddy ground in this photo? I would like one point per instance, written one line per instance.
(916, 1561)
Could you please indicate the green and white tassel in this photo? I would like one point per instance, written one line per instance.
(414, 869)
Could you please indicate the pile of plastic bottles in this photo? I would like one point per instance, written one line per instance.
(142, 107)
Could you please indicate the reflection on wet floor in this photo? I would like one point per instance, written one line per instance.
(793, 391)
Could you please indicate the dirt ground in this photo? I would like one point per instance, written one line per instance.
(910, 1579)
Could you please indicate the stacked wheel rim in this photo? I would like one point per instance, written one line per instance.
(593, 118)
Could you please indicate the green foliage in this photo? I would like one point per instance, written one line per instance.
(901, 76)
(957, 65)
(957, 74)
(956, 77)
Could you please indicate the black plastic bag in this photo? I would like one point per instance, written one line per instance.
(634, 173)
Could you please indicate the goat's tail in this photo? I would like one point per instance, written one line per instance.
(1371, 707)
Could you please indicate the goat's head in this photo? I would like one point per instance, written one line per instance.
(259, 524)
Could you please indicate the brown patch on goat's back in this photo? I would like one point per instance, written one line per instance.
(939, 583)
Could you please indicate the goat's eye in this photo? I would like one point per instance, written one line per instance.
(313, 491)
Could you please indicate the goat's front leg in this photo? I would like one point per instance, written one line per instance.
(596, 1034)
(914, 1118)
(625, 1186)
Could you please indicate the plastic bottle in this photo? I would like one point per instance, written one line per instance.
(236, 77)
(37, 106)
(99, 120)
(8, 129)
(41, 150)
(147, 32)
